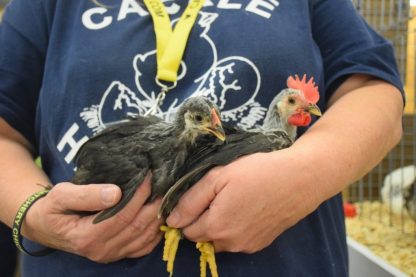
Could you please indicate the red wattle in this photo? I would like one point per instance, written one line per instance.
(300, 119)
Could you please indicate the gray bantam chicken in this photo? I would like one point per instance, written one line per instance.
(123, 153)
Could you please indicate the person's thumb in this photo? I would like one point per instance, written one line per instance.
(94, 197)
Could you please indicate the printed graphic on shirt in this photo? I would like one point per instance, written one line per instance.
(97, 18)
(219, 84)
(234, 94)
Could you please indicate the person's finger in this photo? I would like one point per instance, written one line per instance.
(197, 231)
(139, 225)
(129, 212)
(94, 197)
(138, 243)
(150, 234)
(146, 249)
(147, 214)
(195, 201)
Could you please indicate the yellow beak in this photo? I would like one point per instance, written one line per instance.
(314, 109)
(217, 131)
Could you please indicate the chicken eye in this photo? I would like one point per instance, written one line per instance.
(198, 118)
(291, 100)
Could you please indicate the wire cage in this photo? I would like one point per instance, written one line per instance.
(385, 199)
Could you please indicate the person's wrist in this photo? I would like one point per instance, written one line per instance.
(31, 220)
(20, 221)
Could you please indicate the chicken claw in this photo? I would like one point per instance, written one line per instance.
(207, 257)
(172, 238)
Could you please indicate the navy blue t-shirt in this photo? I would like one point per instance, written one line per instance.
(69, 67)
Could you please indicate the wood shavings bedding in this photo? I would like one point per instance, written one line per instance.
(391, 237)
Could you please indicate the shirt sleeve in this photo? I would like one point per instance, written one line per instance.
(349, 45)
(23, 43)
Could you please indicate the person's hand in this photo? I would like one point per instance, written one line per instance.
(132, 232)
(245, 205)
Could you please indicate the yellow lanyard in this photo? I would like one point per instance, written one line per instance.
(170, 45)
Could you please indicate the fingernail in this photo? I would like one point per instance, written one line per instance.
(108, 195)
(173, 219)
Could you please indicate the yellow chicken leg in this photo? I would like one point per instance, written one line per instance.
(207, 257)
(172, 238)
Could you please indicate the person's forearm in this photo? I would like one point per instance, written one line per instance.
(19, 176)
(357, 131)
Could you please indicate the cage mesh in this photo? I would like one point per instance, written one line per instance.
(391, 19)
(384, 223)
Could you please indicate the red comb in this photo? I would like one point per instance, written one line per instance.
(309, 89)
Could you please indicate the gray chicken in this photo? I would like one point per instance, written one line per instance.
(292, 107)
(123, 153)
